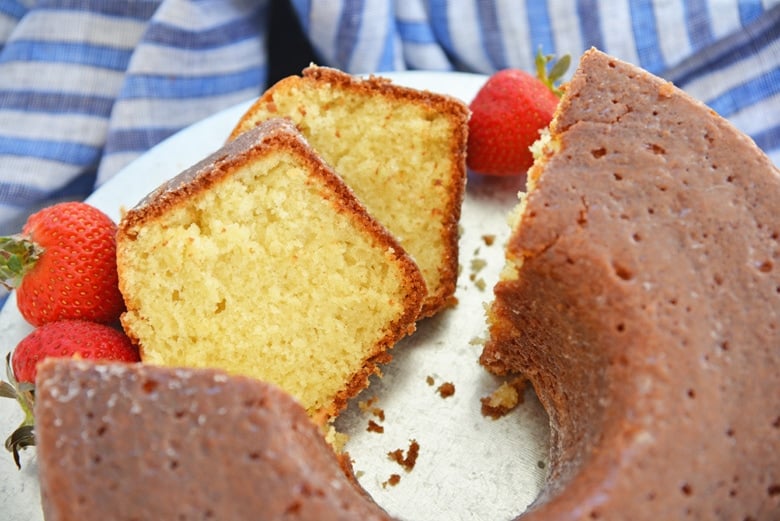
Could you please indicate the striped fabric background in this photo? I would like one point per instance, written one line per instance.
(88, 85)
(724, 52)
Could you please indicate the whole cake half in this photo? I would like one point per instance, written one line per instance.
(401, 150)
(641, 297)
(147, 442)
(259, 260)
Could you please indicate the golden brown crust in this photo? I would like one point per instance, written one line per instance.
(640, 310)
(270, 137)
(210, 170)
(370, 86)
(442, 294)
(149, 442)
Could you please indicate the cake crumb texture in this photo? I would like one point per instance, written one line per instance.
(408, 460)
(641, 299)
(260, 261)
(504, 399)
(401, 150)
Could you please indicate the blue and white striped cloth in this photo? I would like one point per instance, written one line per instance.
(88, 85)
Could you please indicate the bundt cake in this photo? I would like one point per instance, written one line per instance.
(401, 150)
(148, 442)
(260, 261)
(641, 297)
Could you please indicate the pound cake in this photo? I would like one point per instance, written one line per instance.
(259, 260)
(148, 442)
(641, 297)
(401, 150)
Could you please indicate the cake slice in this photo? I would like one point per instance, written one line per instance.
(401, 150)
(259, 260)
(148, 442)
(641, 297)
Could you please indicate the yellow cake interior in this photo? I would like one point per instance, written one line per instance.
(398, 157)
(262, 266)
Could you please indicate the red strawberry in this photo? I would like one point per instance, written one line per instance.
(65, 338)
(507, 114)
(63, 265)
(70, 338)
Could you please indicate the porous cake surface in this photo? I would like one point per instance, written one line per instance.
(401, 150)
(642, 299)
(260, 261)
(133, 441)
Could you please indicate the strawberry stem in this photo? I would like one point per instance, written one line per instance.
(555, 73)
(18, 255)
(24, 394)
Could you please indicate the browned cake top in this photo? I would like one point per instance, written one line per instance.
(142, 442)
(267, 137)
(647, 310)
(442, 103)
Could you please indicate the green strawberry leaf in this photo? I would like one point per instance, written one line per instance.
(7, 390)
(21, 438)
(18, 255)
(24, 393)
(559, 68)
(555, 73)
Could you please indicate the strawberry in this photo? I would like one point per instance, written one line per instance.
(64, 338)
(63, 265)
(507, 114)
(70, 338)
